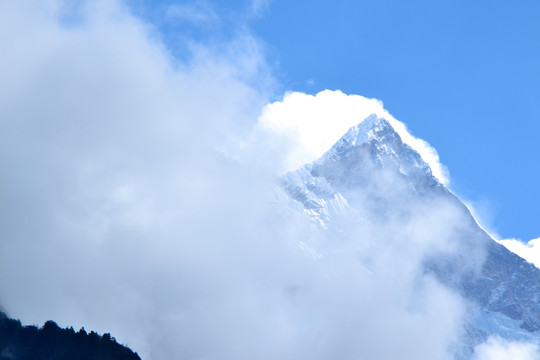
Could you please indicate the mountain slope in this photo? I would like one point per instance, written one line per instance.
(371, 177)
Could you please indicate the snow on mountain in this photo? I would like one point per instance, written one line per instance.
(370, 176)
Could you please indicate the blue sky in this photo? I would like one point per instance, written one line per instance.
(462, 75)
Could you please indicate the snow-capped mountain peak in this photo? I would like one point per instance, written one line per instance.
(371, 175)
(368, 149)
(372, 128)
(373, 143)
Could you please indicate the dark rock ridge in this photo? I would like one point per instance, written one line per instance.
(18, 342)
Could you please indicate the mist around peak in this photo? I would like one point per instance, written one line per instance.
(140, 196)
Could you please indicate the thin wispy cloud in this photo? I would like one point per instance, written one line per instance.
(259, 7)
(198, 13)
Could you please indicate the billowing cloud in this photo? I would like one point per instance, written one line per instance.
(529, 251)
(107, 148)
(496, 348)
(117, 212)
(311, 124)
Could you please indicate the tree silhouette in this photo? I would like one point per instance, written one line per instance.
(50, 342)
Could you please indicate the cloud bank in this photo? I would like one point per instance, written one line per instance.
(110, 176)
(311, 124)
(117, 212)
(496, 348)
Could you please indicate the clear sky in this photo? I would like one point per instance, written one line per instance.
(463, 75)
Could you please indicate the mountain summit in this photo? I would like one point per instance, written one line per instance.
(370, 174)
(375, 141)
(370, 159)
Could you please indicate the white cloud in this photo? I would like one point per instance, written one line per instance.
(117, 213)
(310, 125)
(109, 186)
(496, 348)
(529, 251)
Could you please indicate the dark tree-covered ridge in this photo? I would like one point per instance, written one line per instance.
(50, 342)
